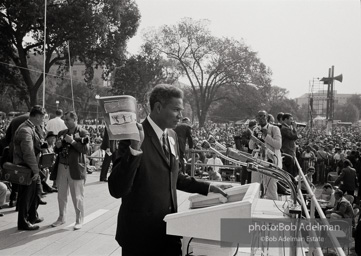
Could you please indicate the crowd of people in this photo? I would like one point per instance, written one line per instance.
(326, 153)
(330, 162)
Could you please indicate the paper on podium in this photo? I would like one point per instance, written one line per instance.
(234, 194)
(205, 223)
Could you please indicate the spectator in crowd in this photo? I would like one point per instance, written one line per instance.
(347, 178)
(56, 124)
(184, 133)
(51, 139)
(342, 208)
(70, 168)
(289, 137)
(322, 159)
(213, 175)
(309, 173)
(328, 194)
(197, 169)
(198, 146)
(340, 163)
(27, 146)
(337, 155)
(308, 158)
(146, 176)
(270, 135)
(214, 160)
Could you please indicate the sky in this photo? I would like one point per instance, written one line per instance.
(299, 40)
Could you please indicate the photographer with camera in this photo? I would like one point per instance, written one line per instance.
(70, 169)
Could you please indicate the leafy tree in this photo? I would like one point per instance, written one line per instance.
(84, 98)
(139, 73)
(355, 102)
(346, 113)
(278, 102)
(236, 105)
(96, 32)
(209, 63)
(303, 113)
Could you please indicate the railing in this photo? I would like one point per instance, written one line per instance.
(316, 205)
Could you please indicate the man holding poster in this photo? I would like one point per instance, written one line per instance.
(146, 176)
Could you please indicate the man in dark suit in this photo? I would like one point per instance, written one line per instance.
(184, 133)
(70, 168)
(27, 145)
(146, 176)
(289, 137)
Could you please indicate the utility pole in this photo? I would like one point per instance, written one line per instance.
(330, 97)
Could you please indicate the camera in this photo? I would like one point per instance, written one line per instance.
(82, 140)
(44, 145)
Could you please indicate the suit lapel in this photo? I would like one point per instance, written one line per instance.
(153, 137)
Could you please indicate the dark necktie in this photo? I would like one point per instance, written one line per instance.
(165, 146)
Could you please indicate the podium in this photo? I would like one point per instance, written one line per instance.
(204, 224)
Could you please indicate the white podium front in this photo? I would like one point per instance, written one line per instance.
(204, 224)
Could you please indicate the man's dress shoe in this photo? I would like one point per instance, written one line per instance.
(42, 202)
(29, 227)
(38, 220)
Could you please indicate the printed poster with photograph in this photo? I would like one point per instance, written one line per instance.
(120, 115)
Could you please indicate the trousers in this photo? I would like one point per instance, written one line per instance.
(65, 183)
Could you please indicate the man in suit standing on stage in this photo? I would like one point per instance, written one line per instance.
(289, 137)
(146, 176)
(270, 135)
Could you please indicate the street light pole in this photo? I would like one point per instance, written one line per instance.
(57, 104)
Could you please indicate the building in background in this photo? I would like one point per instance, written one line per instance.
(320, 100)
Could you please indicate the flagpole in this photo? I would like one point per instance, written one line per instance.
(44, 76)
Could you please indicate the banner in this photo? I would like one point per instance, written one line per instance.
(120, 115)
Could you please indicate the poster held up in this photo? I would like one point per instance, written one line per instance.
(120, 115)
